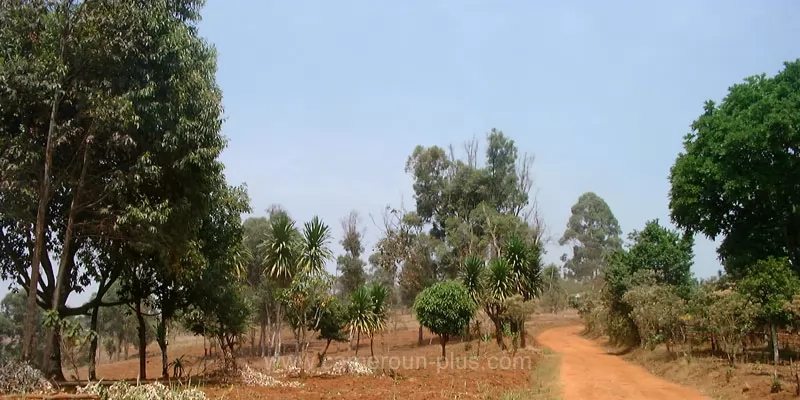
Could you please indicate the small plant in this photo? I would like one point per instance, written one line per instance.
(177, 367)
(776, 386)
(729, 374)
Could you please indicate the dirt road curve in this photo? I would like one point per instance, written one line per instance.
(588, 372)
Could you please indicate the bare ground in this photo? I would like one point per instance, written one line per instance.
(589, 371)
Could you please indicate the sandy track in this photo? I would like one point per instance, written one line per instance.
(589, 372)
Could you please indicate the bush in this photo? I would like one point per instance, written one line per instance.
(657, 313)
(445, 308)
(730, 318)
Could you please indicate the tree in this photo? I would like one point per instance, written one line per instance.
(664, 254)
(290, 257)
(737, 175)
(771, 284)
(379, 299)
(350, 264)
(332, 323)
(457, 197)
(361, 312)
(446, 309)
(593, 232)
(516, 272)
(554, 295)
(118, 140)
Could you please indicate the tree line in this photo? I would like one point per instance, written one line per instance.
(735, 180)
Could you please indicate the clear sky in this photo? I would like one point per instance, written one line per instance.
(325, 100)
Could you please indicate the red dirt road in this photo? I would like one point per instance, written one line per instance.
(589, 372)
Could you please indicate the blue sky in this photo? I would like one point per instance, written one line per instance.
(325, 100)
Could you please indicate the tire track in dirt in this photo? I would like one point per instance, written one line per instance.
(589, 372)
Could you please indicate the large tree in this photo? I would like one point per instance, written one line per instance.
(593, 232)
(350, 264)
(738, 174)
(110, 124)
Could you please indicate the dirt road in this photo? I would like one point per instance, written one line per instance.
(589, 372)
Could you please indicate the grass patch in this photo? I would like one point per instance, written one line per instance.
(544, 380)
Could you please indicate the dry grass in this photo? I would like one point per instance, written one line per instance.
(714, 377)
(544, 380)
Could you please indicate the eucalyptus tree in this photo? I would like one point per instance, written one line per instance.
(593, 232)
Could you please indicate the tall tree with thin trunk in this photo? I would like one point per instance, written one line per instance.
(593, 232)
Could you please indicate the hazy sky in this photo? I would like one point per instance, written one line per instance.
(325, 100)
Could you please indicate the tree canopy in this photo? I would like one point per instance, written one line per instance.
(737, 175)
(593, 232)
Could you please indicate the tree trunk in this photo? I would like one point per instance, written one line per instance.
(350, 340)
(278, 320)
(321, 356)
(66, 263)
(29, 324)
(358, 341)
(522, 336)
(775, 354)
(443, 339)
(93, 345)
(262, 340)
(142, 341)
(162, 344)
(371, 349)
(498, 333)
(419, 336)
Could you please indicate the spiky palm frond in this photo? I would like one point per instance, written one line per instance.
(525, 262)
(499, 279)
(360, 310)
(379, 296)
(314, 248)
(472, 270)
(280, 248)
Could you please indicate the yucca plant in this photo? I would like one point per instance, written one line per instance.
(314, 250)
(361, 310)
(379, 296)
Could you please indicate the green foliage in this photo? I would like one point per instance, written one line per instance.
(445, 308)
(736, 175)
(350, 264)
(554, 297)
(730, 317)
(333, 321)
(655, 256)
(658, 313)
(593, 232)
(771, 284)
(360, 309)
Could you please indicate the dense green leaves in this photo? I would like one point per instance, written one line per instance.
(445, 308)
(737, 176)
(593, 232)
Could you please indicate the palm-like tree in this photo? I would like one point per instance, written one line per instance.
(499, 286)
(379, 296)
(290, 254)
(472, 270)
(526, 267)
(314, 250)
(280, 248)
(361, 311)
(517, 271)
